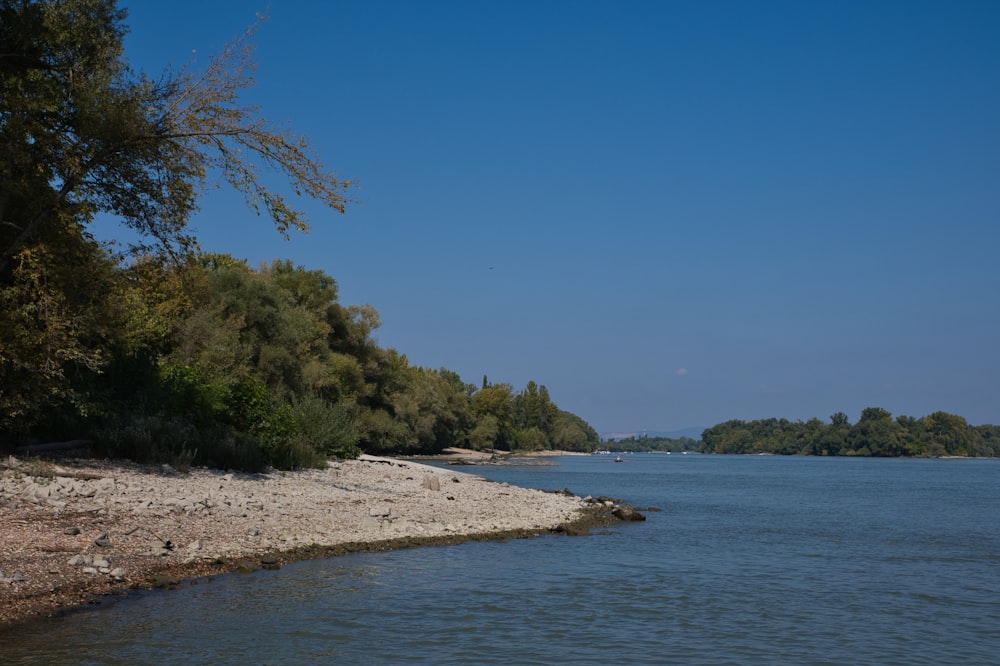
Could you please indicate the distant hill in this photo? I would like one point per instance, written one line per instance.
(693, 433)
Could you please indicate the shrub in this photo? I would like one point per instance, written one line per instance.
(327, 429)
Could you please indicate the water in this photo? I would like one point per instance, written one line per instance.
(752, 560)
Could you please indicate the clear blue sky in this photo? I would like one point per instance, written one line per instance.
(669, 213)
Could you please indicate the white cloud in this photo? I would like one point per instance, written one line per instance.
(681, 372)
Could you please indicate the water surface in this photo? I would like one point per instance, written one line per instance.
(752, 560)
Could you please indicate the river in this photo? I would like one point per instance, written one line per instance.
(750, 560)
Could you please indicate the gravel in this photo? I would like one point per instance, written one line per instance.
(74, 532)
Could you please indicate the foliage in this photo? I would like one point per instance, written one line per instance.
(571, 433)
(58, 320)
(163, 353)
(81, 133)
(875, 434)
(646, 443)
(324, 428)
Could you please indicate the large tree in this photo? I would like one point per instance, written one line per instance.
(81, 133)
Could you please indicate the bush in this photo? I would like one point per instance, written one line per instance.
(173, 439)
(326, 429)
(150, 439)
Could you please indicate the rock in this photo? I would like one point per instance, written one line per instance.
(104, 487)
(71, 531)
(245, 566)
(627, 514)
(380, 511)
(431, 482)
(100, 562)
(573, 530)
(103, 541)
(117, 573)
(164, 581)
(78, 560)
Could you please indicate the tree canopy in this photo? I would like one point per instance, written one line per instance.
(875, 434)
(81, 133)
(164, 352)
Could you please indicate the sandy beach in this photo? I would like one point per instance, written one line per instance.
(74, 532)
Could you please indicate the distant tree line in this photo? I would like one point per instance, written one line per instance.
(646, 444)
(875, 434)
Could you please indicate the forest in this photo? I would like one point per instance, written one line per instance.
(210, 361)
(876, 433)
(155, 350)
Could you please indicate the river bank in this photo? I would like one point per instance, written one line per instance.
(75, 531)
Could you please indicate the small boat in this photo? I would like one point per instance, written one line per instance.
(619, 459)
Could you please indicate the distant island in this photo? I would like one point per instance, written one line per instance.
(875, 434)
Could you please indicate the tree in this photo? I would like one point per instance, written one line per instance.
(839, 419)
(81, 133)
(58, 319)
(949, 434)
(492, 407)
(571, 433)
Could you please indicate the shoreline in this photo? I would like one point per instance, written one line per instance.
(74, 533)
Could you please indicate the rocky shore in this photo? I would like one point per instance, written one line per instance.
(75, 531)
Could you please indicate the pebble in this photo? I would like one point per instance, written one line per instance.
(203, 512)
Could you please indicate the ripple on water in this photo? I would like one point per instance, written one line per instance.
(751, 561)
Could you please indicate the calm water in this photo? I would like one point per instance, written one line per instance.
(753, 560)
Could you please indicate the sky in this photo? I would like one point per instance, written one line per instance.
(669, 213)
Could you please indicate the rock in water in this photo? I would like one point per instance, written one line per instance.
(627, 513)
(163, 581)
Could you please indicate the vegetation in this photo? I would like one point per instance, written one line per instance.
(645, 444)
(875, 434)
(161, 352)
